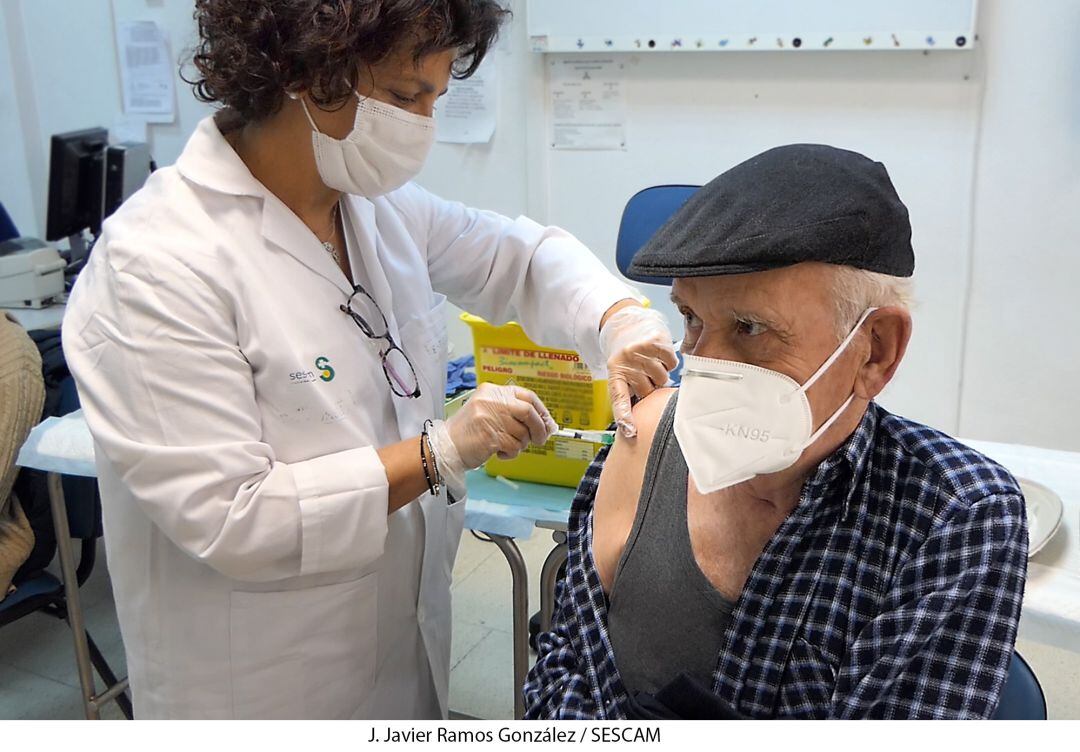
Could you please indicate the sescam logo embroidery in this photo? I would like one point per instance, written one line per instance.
(326, 372)
(744, 432)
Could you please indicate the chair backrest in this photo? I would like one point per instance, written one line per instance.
(645, 213)
(1022, 697)
(7, 227)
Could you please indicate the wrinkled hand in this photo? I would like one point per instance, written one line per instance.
(499, 420)
(637, 344)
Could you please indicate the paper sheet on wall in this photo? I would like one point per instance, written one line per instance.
(146, 71)
(588, 104)
(128, 128)
(467, 114)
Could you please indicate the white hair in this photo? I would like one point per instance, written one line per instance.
(855, 290)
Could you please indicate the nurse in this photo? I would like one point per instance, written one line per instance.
(259, 342)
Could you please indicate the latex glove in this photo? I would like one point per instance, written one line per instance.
(500, 420)
(637, 344)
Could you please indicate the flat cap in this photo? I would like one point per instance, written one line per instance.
(795, 203)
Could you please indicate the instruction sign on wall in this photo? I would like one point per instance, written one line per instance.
(146, 71)
(588, 104)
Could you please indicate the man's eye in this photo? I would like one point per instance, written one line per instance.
(403, 98)
(690, 320)
(750, 328)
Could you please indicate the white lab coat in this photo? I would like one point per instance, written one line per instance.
(255, 569)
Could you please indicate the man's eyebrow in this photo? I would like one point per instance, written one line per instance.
(675, 299)
(777, 328)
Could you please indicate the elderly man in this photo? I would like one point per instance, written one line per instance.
(773, 543)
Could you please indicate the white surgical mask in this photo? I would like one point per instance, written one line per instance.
(385, 149)
(735, 420)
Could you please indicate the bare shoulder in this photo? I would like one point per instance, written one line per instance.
(617, 495)
(647, 413)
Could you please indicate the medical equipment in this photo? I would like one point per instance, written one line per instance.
(607, 438)
(506, 355)
(31, 273)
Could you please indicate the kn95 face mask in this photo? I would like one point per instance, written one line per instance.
(734, 420)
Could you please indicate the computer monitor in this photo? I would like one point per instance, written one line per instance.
(76, 183)
(127, 166)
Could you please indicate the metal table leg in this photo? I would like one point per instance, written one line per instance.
(549, 577)
(520, 580)
(71, 595)
(91, 702)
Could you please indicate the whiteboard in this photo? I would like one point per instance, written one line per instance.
(749, 25)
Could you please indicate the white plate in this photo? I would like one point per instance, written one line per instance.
(1044, 512)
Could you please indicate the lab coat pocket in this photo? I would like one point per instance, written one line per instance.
(424, 340)
(445, 523)
(306, 653)
(455, 525)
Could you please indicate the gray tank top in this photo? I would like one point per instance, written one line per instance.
(664, 616)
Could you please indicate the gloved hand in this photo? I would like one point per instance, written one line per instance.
(499, 420)
(637, 344)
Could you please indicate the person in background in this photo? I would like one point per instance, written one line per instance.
(259, 343)
(22, 393)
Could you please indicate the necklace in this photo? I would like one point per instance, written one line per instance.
(327, 244)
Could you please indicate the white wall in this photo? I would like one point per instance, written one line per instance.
(65, 76)
(1021, 369)
(982, 146)
(15, 190)
(693, 116)
(495, 175)
(992, 355)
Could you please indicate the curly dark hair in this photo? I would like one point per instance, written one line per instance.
(250, 52)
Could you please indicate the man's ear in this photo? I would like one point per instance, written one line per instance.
(889, 329)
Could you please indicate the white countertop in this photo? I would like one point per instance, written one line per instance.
(37, 318)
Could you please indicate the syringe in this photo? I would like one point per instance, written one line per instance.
(607, 438)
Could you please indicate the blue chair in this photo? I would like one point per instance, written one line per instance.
(644, 214)
(7, 227)
(1022, 697)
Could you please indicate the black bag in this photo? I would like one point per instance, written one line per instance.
(31, 486)
(684, 698)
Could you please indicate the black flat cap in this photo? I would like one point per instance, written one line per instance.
(795, 203)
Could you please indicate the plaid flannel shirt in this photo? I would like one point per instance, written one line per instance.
(893, 590)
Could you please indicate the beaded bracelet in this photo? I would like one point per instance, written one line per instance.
(435, 463)
(434, 486)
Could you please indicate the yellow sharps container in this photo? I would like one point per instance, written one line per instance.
(565, 385)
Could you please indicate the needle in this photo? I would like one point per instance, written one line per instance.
(607, 438)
